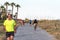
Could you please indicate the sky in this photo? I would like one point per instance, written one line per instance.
(36, 9)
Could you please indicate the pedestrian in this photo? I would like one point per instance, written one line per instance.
(9, 27)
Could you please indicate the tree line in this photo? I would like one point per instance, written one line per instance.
(4, 9)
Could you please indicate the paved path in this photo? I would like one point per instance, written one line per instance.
(27, 33)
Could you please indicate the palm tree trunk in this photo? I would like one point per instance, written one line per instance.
(6, 9)
(12, 11)
(17, 11)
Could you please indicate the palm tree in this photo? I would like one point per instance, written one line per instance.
(2, 7)
(6, 4)
(17, 9)
(12, 4)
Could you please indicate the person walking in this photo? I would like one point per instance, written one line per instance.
(9, 27)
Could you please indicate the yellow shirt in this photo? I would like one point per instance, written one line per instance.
(9, 25)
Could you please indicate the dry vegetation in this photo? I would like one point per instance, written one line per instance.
(2, 33)
(51, 26)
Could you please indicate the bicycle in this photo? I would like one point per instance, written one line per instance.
(35, 26)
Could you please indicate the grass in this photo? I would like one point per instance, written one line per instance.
(2, 33)
(51, 26)
(1, 22)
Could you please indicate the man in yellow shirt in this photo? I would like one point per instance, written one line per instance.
(9, 26)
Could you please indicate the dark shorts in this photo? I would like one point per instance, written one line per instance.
(8, 34)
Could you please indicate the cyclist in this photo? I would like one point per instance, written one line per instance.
(35, 24)
(30, 22)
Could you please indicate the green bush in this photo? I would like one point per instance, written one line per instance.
(1, 21)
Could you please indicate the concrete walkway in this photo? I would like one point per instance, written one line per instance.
(27, 32)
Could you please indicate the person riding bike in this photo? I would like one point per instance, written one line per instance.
(35, 24)
(30, 22)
